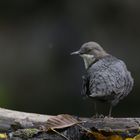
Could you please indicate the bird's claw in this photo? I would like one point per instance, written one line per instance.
(98, 116)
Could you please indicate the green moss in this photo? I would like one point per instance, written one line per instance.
(26, 133)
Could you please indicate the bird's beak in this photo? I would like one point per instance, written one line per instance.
(75, 53)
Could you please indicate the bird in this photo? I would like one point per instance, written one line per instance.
(107, 78)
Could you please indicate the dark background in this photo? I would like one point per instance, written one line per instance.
(37, 73)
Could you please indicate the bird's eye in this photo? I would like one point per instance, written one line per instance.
(85, 50)
(88, 50)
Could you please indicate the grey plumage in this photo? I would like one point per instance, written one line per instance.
(107, 78)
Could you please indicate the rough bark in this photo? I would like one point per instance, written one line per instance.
(9, 118)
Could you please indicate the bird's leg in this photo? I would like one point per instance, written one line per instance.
(95, 109)
(110, 110)
(96, 115)
(96, 112)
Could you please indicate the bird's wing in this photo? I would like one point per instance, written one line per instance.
(124, 80)
(85, 85)
(109, 81)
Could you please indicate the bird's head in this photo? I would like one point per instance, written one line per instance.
(90, 52)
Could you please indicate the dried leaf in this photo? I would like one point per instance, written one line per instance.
(3, 136)
(137, 137)
(115, 137)
(61, 121)
(96, 135)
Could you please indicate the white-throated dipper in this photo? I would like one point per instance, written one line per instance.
(107, 78)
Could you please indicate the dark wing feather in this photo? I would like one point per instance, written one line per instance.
(85, 85)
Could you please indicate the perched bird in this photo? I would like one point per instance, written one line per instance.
(107, 78)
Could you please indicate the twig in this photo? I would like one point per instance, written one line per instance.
(59, 134)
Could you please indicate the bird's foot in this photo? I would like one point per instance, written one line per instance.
(108, 117)
(98, 116)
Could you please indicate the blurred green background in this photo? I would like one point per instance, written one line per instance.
(37, 73)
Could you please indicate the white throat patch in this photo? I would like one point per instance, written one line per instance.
(88, 59)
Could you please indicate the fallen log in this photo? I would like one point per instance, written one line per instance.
(23, 125)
